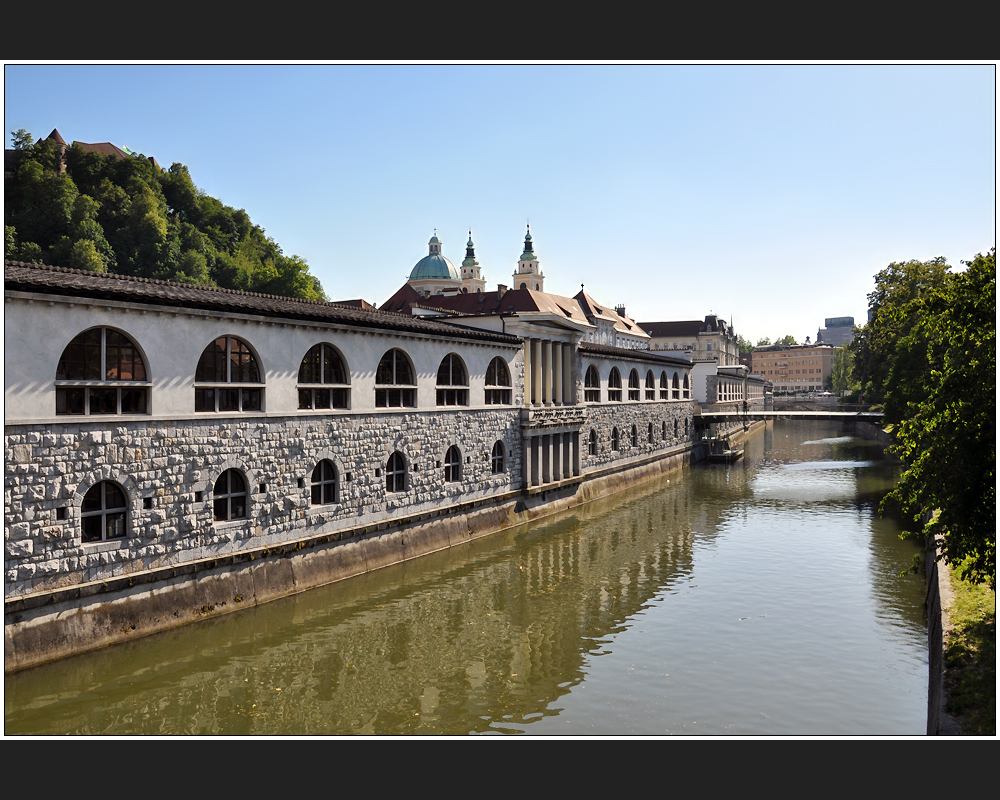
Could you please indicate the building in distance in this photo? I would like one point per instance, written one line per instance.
(795, 368)
(699, 340)
(838, 331)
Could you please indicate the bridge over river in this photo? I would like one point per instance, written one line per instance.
(834, 416)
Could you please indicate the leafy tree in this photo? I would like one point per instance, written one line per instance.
(744, 345)
(947, 439)
(842, 372)
(765, 342)
(788, 339)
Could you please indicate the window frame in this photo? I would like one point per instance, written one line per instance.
(453, 465)
(615, 439)
(120, 513)
(324, 483)
(650, 385)
(249, 395)
(66, 388)
(395, 473)
(405, 393)
(592, 447)
(592, 385)
(664, 386)
(335, 394)
(498, 459)
(497, 393)
(614, 386)
(228, 495)
(452, 393)
(633, 386)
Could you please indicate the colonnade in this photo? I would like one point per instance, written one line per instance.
(548, 373)
(552, 457)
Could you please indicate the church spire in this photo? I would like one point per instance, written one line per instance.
(471, 279)
(528, 274)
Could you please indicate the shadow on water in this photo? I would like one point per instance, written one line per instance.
(532, 629)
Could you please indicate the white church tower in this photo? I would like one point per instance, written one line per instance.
(528, 275)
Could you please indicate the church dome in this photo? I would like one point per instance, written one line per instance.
(434, 266)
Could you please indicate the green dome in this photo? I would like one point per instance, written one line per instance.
(435, 267)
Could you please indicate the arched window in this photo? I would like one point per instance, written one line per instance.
(453, 464)
(614, 439)
(104, 512)
(230, 496)
(102, 372)
(593, 442)
(497, 460)
(323, 381)
(633, 385)
(675, 429)
(649, 435)
(524, 286)
(452, 382)
(592, 385)
(324, 484)
(635, 437)
(663, 434)
(395, 473)
(498, 392)
(395, 382)
(228, 361)
(650, 385)
(686, 426)
(676, 388)
(687, 387)
(615, 385)
(664, 386)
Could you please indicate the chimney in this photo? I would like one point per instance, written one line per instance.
(620, 310)
(501, 290)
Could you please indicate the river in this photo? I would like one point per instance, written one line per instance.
(759, 598)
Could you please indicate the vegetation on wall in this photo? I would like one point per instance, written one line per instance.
(130, 217)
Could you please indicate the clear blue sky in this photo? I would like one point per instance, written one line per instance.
(766, 194)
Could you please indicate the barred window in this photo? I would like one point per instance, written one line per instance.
(498, 392)
(228, 361)
(101, 372)
(452, 382)
(104, 512)
(395, 382)
(323, 380)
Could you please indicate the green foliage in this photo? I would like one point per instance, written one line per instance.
(744, 345)
(842, 372)
(971, 656)
(788, 339)
(940, 383)
(129, 217)
(765, 342)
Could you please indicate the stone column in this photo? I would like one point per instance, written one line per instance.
(546, 447)
(527, 463)
(576, 454)
(536, 371)
(547, 371)
(557, 459)
(557, 373)
(569, 386)
(527, 372)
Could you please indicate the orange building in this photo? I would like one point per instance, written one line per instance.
(795, 368)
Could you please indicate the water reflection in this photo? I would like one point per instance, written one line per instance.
(665, 609)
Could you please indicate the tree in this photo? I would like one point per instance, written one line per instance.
(947, 439)
(842, 372)
(744, 345)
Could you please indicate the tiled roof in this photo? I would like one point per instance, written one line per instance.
(623, 324)
(19, 276)
(512, 301)
(645, 356)
(690, 327)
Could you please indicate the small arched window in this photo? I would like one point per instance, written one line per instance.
(524, 286)
(104, 512)
(614, 439)
(663, 434)
(323, 381)
(453, 464)
(230, 496)
(649, 435)
(650, 385)
(452, 382)
(687, 387)
(664, 386)
(633, 385)
(395, 473)
(675, 429)
(395, 381)
(635, 437)
(227, 361)
(324, 484)
(498, 392)
(593, 442)
(592, 385)
(676, 388)
(101, 372)
(615, 385)
(497, 461)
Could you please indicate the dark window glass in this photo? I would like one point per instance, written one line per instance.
(103, 512)
(395, 473)
(593, 442)
(592, 385)
(394, 369)
(453, 464)
(615, 385)
(230, 496)
(227, 360)
(497, 377)
(324, 484)
(633, 385)
(614, 438)
(106, 357)
(497, 459)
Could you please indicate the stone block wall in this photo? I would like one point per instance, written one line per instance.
(605, 417)
(167, 470)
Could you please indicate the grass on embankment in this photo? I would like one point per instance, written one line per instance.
(971, 657)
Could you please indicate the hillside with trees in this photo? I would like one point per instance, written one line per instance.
(71, 207)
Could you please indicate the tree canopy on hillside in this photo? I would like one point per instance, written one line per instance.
(130, 217)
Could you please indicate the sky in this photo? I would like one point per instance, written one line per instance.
(770, 195)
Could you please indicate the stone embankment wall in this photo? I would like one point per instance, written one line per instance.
(671, 416)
